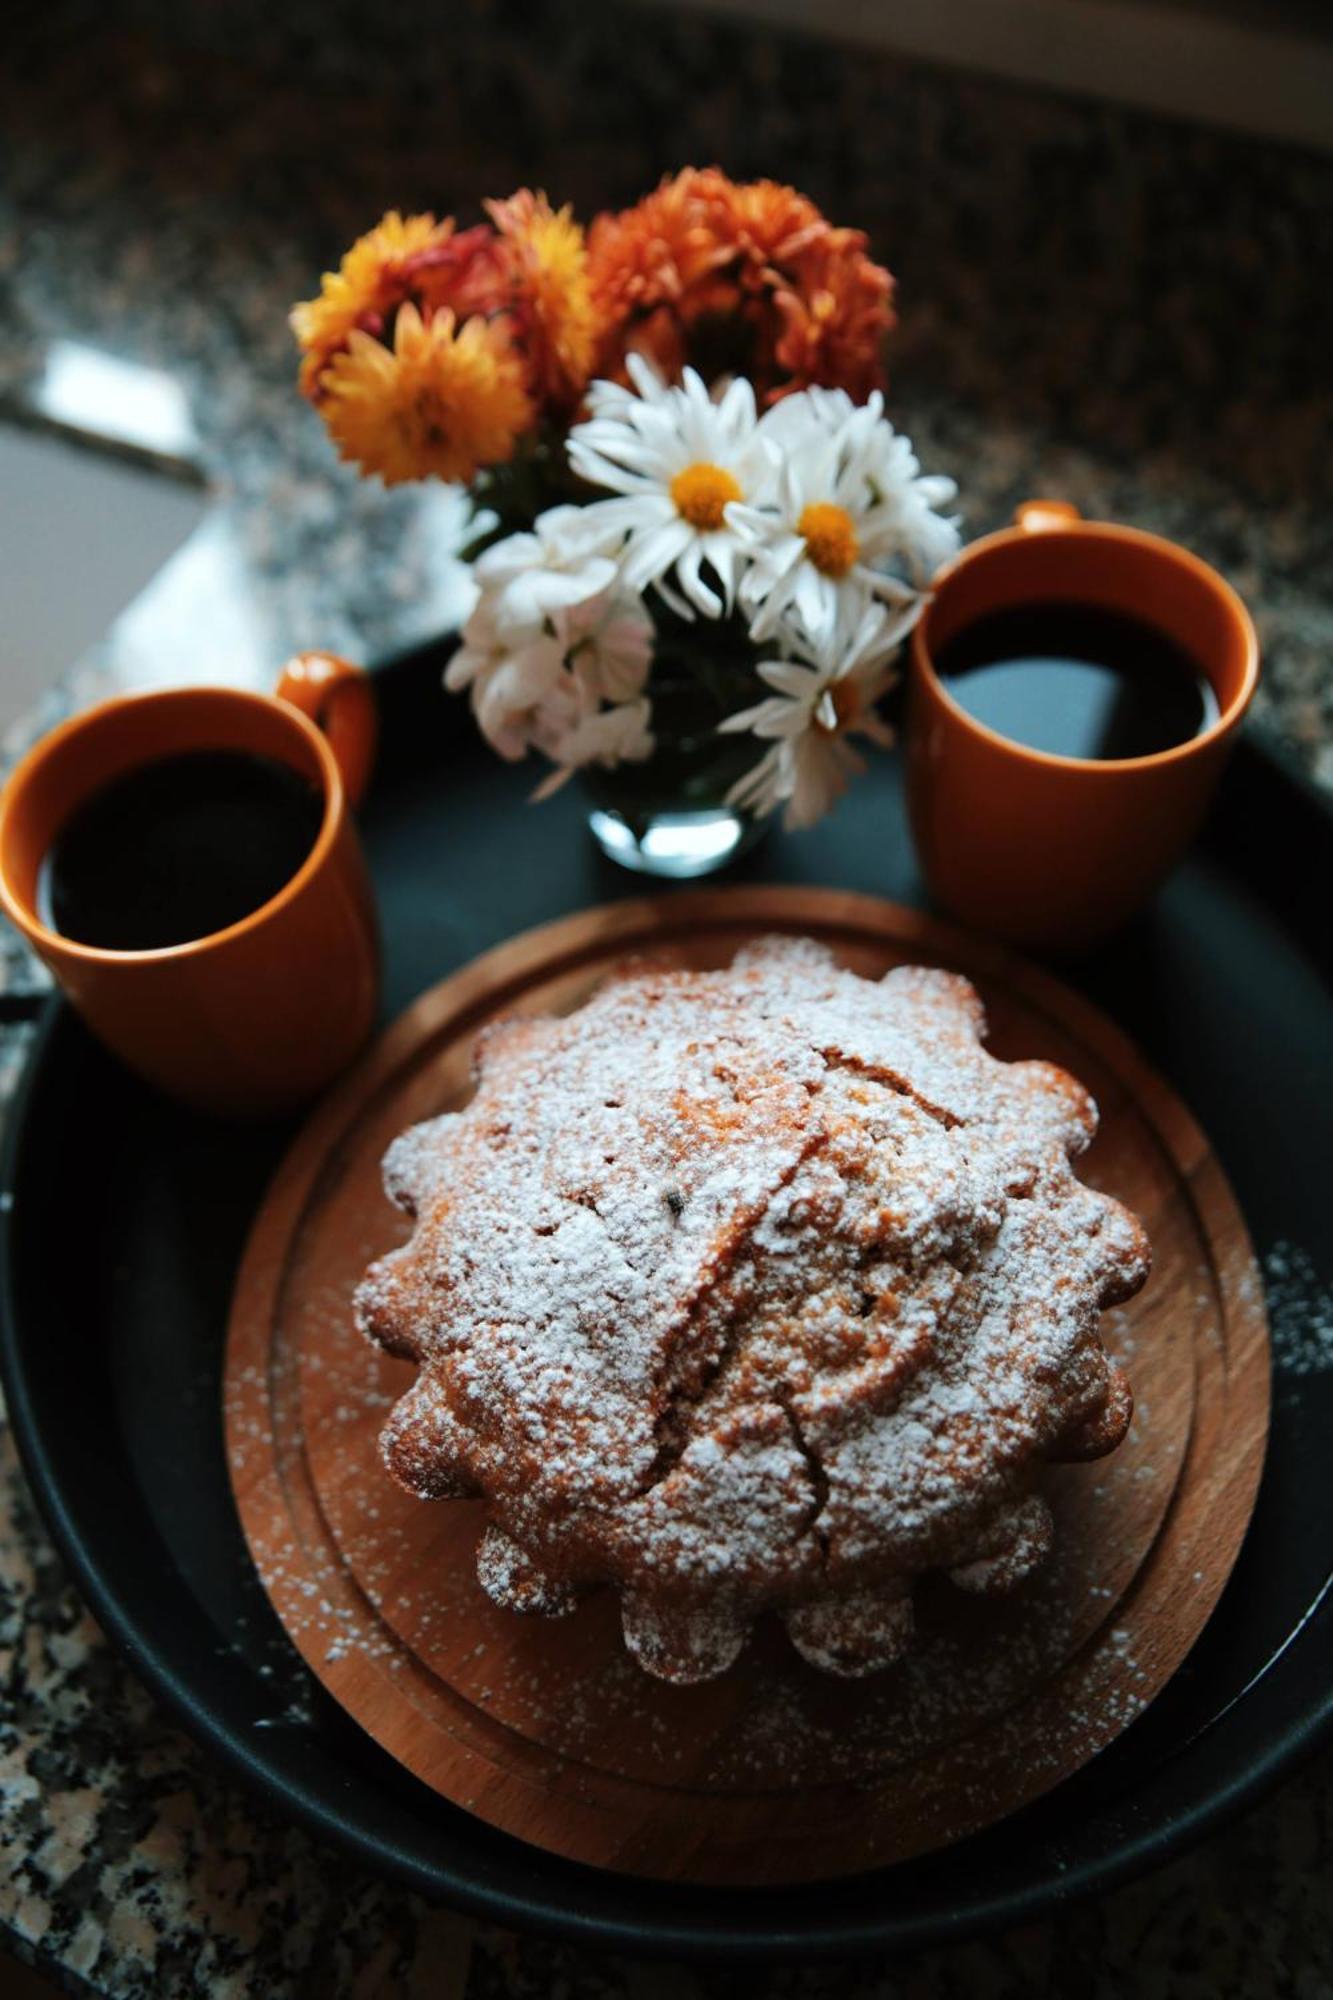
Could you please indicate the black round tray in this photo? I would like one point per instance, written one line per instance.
(122, 1221)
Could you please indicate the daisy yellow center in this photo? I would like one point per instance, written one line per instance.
(829, 534)
(700, 492)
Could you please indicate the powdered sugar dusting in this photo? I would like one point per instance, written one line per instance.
(765, 1287)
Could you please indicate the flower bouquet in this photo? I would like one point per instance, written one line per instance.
(701, 541)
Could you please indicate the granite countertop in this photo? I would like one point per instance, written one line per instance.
(1095, 304)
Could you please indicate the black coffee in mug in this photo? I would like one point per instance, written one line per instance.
(178, 849)
(1075, 680)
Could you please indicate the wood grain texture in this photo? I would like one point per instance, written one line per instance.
(774, 1772)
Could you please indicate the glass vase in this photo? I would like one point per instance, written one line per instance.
(669, 815)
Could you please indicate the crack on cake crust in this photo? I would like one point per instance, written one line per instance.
(892, 1080)
(819, 1485)
(683, 1391)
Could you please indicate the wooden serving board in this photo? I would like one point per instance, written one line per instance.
(773, 1772)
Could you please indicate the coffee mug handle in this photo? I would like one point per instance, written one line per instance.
(338, 698)
(1038, 516)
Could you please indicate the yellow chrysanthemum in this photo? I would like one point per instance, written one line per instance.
(444, 400)
(366, 284)
(552, 300)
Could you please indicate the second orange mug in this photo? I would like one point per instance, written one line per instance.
(255, 1018)
(1056, 851)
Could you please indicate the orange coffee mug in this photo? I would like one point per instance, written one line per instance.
(1048, 850)
(255, 1018)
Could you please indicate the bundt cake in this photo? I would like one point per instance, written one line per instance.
(755, 1289)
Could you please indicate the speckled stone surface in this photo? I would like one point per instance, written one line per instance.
(1094, 303)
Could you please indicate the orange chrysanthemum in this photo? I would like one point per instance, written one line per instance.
(443, 401)
(746, 278)
(658, 252)
(835, 313)
(550, 297)
(771, 226)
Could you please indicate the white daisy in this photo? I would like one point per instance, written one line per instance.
(551, 638)
(518, 683)
(850, 513)
(608, 643)
(814, 411)
(821, 697)
(531, 577)
(621, 734)
(608, 399)
(676, 458)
